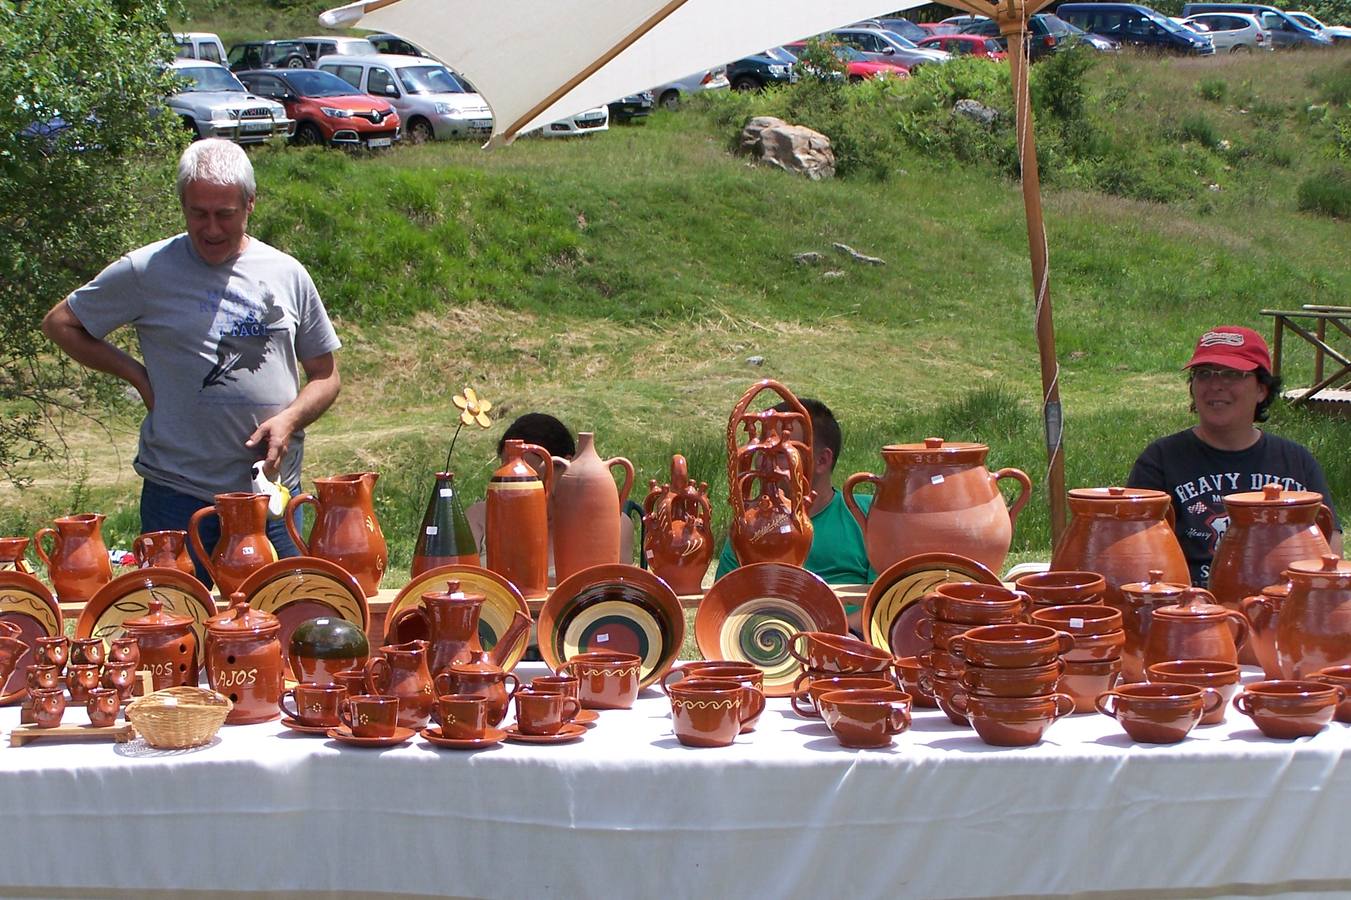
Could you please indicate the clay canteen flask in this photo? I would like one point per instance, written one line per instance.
(78, 563)
(346, 531)
(243, 661)
(677, 537)
(243, 547)
(163, 549)
(444, 537)
(1313, 628)
(586, 507)
(769, 479)
(1196, 627)
(517, 528)
(452, 618)
(167, 645)
(937, 496)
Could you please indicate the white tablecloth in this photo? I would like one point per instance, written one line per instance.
(628, 812)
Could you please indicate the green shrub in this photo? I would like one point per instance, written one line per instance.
(1333, 87)
(1327, 192)
(1196, 127)
(1213, 89)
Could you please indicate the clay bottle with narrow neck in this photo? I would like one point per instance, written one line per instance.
(444, 537)
(586, 508)
(517, 526)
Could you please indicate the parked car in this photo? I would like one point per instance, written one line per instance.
(966, 45)
(754, 72)
(933, 28)
(1047, 33)
(392, 43)
(1338, 33)
(585, 122)
(322, 45)
(671, 93)
(887, 46)
(269, 55)
(1136, 25)
(895, 24)
(326, 109)
(1285, 31)
(1096, 41)
(634, 106)
(961, 21)
(213, 103)
(199, 45)
(433, 102)
(1233, 32)
(857, 67)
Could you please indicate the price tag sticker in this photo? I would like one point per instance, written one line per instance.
(649, 554)
(446, 492)
(602, 638)
(937, 479)
(784, 529)
(431, 531)
(1076, 623)
(247, 551)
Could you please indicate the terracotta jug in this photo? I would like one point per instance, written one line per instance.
(937, 497)
(11, 555)
(346, 531)
(163, 549)
(452, 622)
(769, 479)
(78, 562)
(586, 508)
(403, 673)
(444, 537)
(517, 528)
(243, 661)
(1268, 530)
(484, 679)
(1313, 629)
(243, 547)
(677, 532)
(166, 645)
(1139, 601)
(1263, 612)
(1196, 627)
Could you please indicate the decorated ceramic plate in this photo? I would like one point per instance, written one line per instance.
(892, 605)
(26, 602)
(749, 614)
(301, 588)
(128, 597)
(613, 607)
(503, 602)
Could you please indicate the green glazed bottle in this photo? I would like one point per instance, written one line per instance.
(444, 537)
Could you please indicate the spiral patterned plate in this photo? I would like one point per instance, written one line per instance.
(750, 613)
(502, 603)
(613, 607)
(26, 602)
(128, 597)
(892, 606)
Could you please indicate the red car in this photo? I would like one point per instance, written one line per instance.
(857, 67)
(965, 45)
(326, 109)
(938, 28)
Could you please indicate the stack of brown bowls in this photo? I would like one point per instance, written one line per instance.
(834, 662)
(1009, 683)
(1047, 589)
(1094, 664)
(950, 611)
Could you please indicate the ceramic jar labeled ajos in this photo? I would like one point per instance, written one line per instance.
(167, 646)
(243, 547)
(78, 563)
(243, 661)
(1313, 628)
(346, 530)
(586, 508)
(677, 530)
(517, 519)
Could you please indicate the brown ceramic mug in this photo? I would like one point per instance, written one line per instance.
(102, 706)
(124, 649)
(567, 685)
(121, 677)
(723, 669)
(607, 679)
(908, 672)
(1160, 713)
(462, 717)
(1084, 681)
(742, 673)
(1289, 709)
(49, 705)
(806, 702)
(1224, 677)
(1026, 681)
(1012, 721)
(87, 652)
(1051, 589)
(837, 654)
(80, 680)
(51, 651)
(863, 718)
(354, 681)
(44, 678)
(539, 712)
(1341, 677)
(1011, 646)
(370, 715)
(708, 712)
(313, 703)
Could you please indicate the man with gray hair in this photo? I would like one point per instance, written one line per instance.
(225, 324)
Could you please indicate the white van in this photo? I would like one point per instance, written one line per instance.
(199, 45)
(433, 102)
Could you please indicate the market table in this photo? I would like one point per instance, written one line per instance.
(628, 812)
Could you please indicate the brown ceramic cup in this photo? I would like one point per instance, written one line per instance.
(1051, 589)
(606, 679)
(538, 712)
(742, 673)
(1012, 721)
(88, 652)
(909, 671)
(462, 717)
(975, 604)
(1027, 681)
(806, 702)
(710, 668)
(121, 677)
(1341, 677)
(1084, 681)
(370, 715)
(102, 706)
(708, 712)
(1224, 677)
(1160, 713)
(864, 718)
(1290, 709)
(80, 680)
(43, 678)
(49, 705)
(354, 681)
(837, 654)
(1011, 646)
(51, 651)
(124, 649)
(313, 703)
(566, 685)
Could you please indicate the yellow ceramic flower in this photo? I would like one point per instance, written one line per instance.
(474, 410)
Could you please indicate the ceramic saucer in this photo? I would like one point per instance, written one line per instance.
(303, 728)
(433, 735)
(571, 732)
(586, 717)
(344, 734)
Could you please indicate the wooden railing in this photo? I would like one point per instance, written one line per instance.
(1334, 387)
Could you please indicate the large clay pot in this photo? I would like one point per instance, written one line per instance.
(78, 562)
(586, 508)
(243, 547)
(677, 533)
(1139, 600)
(444, 537)
(163, 549)
(1313, 629)
(1196, 627)
(937, 497)
(167, 646)
(346, 531)
(243, 661)
(517, 528)
(1268, 530)
(1263, 612)
(451, 619)
(403, 673)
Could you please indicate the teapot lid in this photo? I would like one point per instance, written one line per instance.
(1195, 603)
(1327, 565)
(156, 619)
(454, 591)
(240, 619)
(1155, 588)
(1273, 494)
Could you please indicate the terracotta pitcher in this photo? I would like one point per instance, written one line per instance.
(586, 507)
(452, 623)
(677, 533)
(346, 530)
(517, 528)
(1313, 629)
(1268, 530)
(243, 546)
(1263, 612)
(1196, 627)
(403, 673)
(11, 555)
(937, 497)
(163, 549)
(444, 537)
(243, 661)
(1139, 601)
(78, 562)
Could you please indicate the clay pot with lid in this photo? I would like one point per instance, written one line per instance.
(346, 531)
(167, 646)
(78, 562)
(937, 496)
(1313, 630)
(1263, 611)
(1196, 627)
(1139, 600)
(452, 618)
(516, 533)
(243, 547)
(243, 661)
(677, 529)
(586, 508)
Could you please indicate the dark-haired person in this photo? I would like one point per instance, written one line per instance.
(1232, 388)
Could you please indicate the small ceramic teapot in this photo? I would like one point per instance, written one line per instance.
(1195, 628)
(1139, 600)
(484, 679)
(677, 533)
(452, 622)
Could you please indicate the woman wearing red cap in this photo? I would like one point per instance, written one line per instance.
(1231, 386)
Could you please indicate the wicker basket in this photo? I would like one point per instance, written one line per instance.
(179, 717)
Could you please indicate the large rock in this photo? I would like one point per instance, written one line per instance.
(750, 134)
(796, 148)
(976, 112)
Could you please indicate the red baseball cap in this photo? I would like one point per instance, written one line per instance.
(1232, 346)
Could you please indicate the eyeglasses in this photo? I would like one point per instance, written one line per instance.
(1227, 376)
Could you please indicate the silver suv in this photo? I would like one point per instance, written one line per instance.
(213, 103)
(433, 102)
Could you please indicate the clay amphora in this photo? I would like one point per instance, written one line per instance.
(243, 661)
(484, 679)
(1268, 530)
(444, 537)
(769, 479)
(586, 508)
(163, 549)
(677, 537)
(243, 547)
(1263, 612)
(167, 645)
(11, 555)
(78, 561)
(403, 673)
(937, 497)
(452, 619)
(1139, 600)
(517, 528)
(1196, 627)
(346, 531)
(1313, 629)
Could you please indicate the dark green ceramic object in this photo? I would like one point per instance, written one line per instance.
(326, 645)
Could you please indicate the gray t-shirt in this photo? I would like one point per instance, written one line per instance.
(221, 344)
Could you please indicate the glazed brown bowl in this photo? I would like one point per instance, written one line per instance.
(1095, 647)
(1084, 681)
(1012, 721)
(1290, 709)
(909, 671)
(1222, 676)
(940, 662)
(838, 654)
(1052, 589)
(1011, 646)
(1158, 713)
(806, 702)
(1341, 677)
(1029, 681)
(1079, 619)
(944, 690)
(939, 632)
(974, 604)
(861, 718)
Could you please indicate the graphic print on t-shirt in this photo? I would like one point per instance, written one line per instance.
(1204, 517)
(242, 329)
